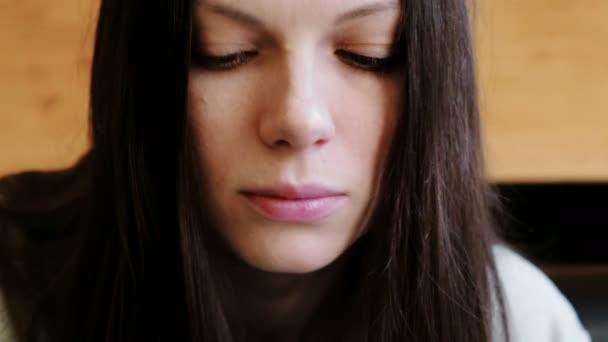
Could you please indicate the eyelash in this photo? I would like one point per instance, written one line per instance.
(224, 62)
(366, 63)
(231, 61)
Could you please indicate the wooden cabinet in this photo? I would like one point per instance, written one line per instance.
(543, 67)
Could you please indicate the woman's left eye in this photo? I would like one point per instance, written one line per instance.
(223, 62)
(365, 62)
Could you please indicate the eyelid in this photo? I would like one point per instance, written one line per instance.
(223, 49)
(367, 63)
(224, 61)
(374, 50)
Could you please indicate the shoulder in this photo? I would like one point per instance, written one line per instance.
(6, 329)
(40, 216)
(536, 309)
(13, 239)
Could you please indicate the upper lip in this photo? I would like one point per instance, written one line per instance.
(294, 192)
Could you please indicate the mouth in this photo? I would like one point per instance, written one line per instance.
(286, 203)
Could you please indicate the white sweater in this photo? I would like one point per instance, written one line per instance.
(536, 310)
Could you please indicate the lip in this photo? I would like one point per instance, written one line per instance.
(287, 203)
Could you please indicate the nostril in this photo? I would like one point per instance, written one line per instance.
(321, 142)
(281, 143)
(296, 128)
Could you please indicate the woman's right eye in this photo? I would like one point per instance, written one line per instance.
(223, 62)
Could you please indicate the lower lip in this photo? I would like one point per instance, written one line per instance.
(296, 210)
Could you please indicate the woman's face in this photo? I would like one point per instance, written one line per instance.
(293, 106)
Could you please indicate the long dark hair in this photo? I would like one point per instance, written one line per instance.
(140, 243)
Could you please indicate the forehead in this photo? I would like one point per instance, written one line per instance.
(294, 13)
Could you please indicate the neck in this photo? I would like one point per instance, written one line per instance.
(275, 306)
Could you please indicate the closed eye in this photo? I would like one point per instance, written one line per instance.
(367, 63)
(223, 62)
(233, 60)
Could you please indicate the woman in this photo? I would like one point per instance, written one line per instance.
(273, 170)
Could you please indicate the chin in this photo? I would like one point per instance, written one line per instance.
(292, 253)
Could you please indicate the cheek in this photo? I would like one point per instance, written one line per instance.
(207, 134)
(218, 121)
(366, 122)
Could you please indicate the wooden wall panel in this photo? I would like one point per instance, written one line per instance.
(44, 65)
(544, 83)
(543, 69)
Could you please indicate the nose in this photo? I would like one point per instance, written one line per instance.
(298, 116)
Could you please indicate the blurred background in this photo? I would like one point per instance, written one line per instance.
(543, 71)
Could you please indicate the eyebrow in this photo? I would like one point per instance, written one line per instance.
(235, 14)
(250, 20)
(367, 10)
